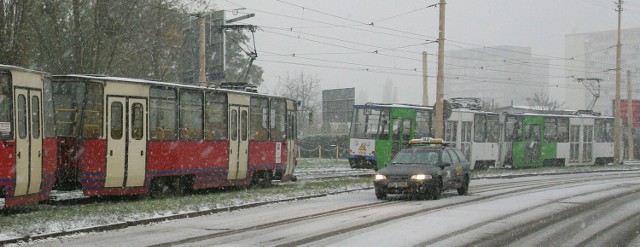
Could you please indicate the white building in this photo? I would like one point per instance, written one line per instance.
(501, 75)
(593, 55)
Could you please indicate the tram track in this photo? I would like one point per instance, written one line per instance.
(532, 186)
(512, 187)
(531, 226)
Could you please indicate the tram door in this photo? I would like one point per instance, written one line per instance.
(238, 133)
(401, 134)
(291, 137)
(126, 142)
(533, 141)
(28, 124)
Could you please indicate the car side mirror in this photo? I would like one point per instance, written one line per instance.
(444, 164)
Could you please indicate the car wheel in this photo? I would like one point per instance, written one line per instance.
(381, 195)
(464, 189)
(436, 191)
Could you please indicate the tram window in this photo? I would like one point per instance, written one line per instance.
(423, 124)
(608, 129)
(587, 145)
(67, 97)
(6, 104)
(509, 128)
(190, 115)
(517, 130)
(49, 113)
(406, 132)
(451, 131)
(35, 117)
(493, 128)
(356, 123)
(116, 120)
(599, 129)
(216, 116)
(234, 125)
(278, 120)
(378, 126)
(550, 129)
(396, 129)
(137, 118)
(243, 125)
(480, 128)
(603, 129)
(22, 116)
(259, 127)
(163, 109)
(563, 130)
(92, 113)
(291, 126)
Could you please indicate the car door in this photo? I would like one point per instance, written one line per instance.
(448, 171)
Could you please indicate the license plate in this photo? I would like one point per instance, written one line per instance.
(398, 184)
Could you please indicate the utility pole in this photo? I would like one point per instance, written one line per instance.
(629, 118)
(202, 75)
(617, 122)
(425, 85)
(440, 79)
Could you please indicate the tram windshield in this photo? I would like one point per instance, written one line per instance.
(5, 105)
(370, 123)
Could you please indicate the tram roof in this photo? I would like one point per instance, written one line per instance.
(394, 105)
(12, 67)
(561, 115)
(159, 83)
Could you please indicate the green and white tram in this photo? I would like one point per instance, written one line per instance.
(378, 131)
(536, 140)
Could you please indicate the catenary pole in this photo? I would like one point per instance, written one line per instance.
(202, 75)
(425, 84)
(617, 123)
(440, 78)
(629, 118)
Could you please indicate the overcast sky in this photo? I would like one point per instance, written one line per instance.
(334, 41)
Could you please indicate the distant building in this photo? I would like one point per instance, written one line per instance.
(593, 55)
(500, 75)
(337, 105)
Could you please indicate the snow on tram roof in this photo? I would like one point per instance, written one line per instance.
(159, 83)
(563, 115)
(12, 67)
(397, 105)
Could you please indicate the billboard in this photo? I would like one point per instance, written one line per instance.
(635, 107)
(337, 105)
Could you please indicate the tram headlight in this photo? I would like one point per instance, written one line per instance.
(421, 177)
(380, 177)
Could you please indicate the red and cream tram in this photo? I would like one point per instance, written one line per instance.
(27, 163)
(121, 136)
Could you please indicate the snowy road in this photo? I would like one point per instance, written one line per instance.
(562, 210)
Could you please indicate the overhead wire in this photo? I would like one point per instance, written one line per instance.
(359, 51)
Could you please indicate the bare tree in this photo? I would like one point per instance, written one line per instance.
(305, 89)
(542, 101)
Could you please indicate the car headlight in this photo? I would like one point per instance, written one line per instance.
(421, 177)
(380, 177)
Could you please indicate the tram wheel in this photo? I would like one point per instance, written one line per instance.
(265, 180)
(159, 189)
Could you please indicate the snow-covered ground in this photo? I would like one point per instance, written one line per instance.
(48, 220)
(562, 210)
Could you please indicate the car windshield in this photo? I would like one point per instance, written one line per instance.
(417, 156)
